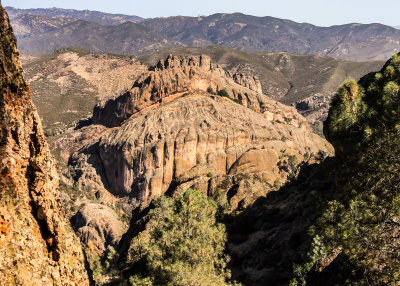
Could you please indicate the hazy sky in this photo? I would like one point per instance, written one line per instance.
(318, 12)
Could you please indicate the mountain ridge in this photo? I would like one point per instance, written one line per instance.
(284, 76)
(357, 42)
(89, 15)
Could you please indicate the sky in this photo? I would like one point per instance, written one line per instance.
(317, 12)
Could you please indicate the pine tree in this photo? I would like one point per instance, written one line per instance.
(183, 243)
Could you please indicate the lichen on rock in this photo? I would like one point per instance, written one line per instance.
(37, 244)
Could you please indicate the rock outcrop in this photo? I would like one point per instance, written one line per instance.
(307, 82)
(171, 131)
(176, 76)
(99, 225)
(244, 76)
(37, 244)
(155, 146)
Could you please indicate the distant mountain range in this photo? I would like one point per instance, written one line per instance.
(101, 32)
(90, 16)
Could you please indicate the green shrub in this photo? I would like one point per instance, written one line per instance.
(277, 184)
(211, 91)
(293, 162)
(223, 93)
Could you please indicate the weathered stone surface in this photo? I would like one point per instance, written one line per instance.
(168, 127)
(37, 244)
(98, 226)
(155, 146)
(247, 79)
(175, 76)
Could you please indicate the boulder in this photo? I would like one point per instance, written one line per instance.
(98, 226)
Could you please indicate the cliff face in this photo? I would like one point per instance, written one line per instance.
(169, 133)
(158, 145)
(37, 245)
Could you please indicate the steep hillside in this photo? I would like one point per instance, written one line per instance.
(26, 25)
(304, 81)
(363, 126)
(127, 38)
(66, 85)
(338, 223)
(243, 32)
(90, 16)
(37, 244)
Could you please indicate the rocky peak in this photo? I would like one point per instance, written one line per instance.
(37, 244)
(171, 62)
(248, 80)
(175, 77)
(172, 131)
(243, 74)
(173, 123)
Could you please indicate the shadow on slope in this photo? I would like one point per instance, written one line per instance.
(266, 239)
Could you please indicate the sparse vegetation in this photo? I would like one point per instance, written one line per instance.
(277, 184)
(224, 93)
(210, 90)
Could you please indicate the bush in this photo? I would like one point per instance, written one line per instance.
(211, 91)
(223, 93)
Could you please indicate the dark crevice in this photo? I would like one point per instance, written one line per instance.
(14, 135)
(88, 269)
(34, 147)
(47, 235)
(232, 192)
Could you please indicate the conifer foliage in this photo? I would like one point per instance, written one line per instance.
(183, 243)
(363, 219)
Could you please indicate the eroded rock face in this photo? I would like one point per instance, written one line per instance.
(176, 76)
(37, 244)
(169, 134)
(245, 77)
(99, 225)
(155, 146)
(168, 125)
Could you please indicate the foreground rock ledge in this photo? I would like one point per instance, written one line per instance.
(37, 244)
